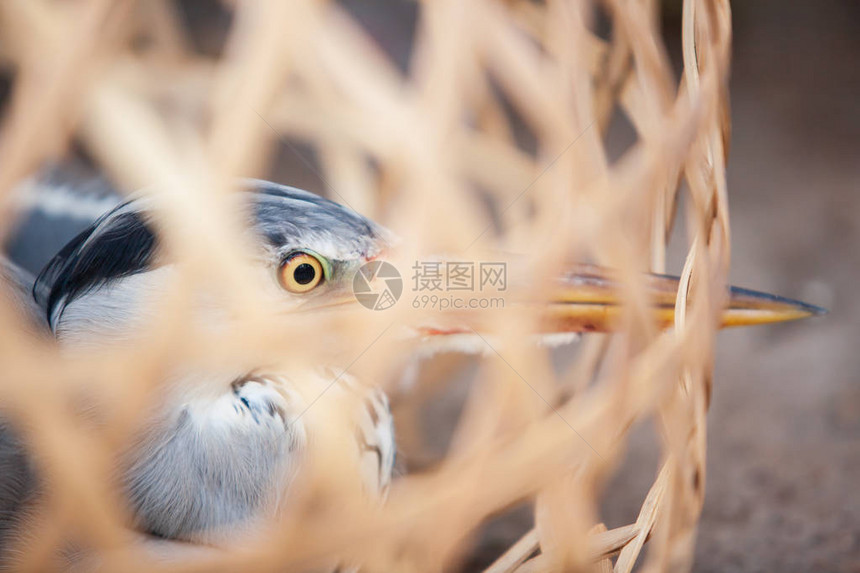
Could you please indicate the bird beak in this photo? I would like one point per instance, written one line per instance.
(589, 300)
(592, 299)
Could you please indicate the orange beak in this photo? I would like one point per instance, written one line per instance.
(588, 300)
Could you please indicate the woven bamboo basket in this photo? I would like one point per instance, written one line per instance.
(493, 139)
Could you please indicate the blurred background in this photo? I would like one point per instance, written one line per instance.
(784, 422)
(784, 439)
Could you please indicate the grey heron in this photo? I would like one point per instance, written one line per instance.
(222, 449)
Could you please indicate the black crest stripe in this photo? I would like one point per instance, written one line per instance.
(120, 244)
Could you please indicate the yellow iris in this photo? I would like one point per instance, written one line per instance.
(301, 273)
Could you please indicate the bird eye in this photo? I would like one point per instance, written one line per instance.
(301, 272)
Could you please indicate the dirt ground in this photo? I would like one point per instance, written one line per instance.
(783, 488)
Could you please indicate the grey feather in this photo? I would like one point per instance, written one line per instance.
(216, 463)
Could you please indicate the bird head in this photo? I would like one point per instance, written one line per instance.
(307, 246)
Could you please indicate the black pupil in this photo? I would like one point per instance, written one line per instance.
(304, 273)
